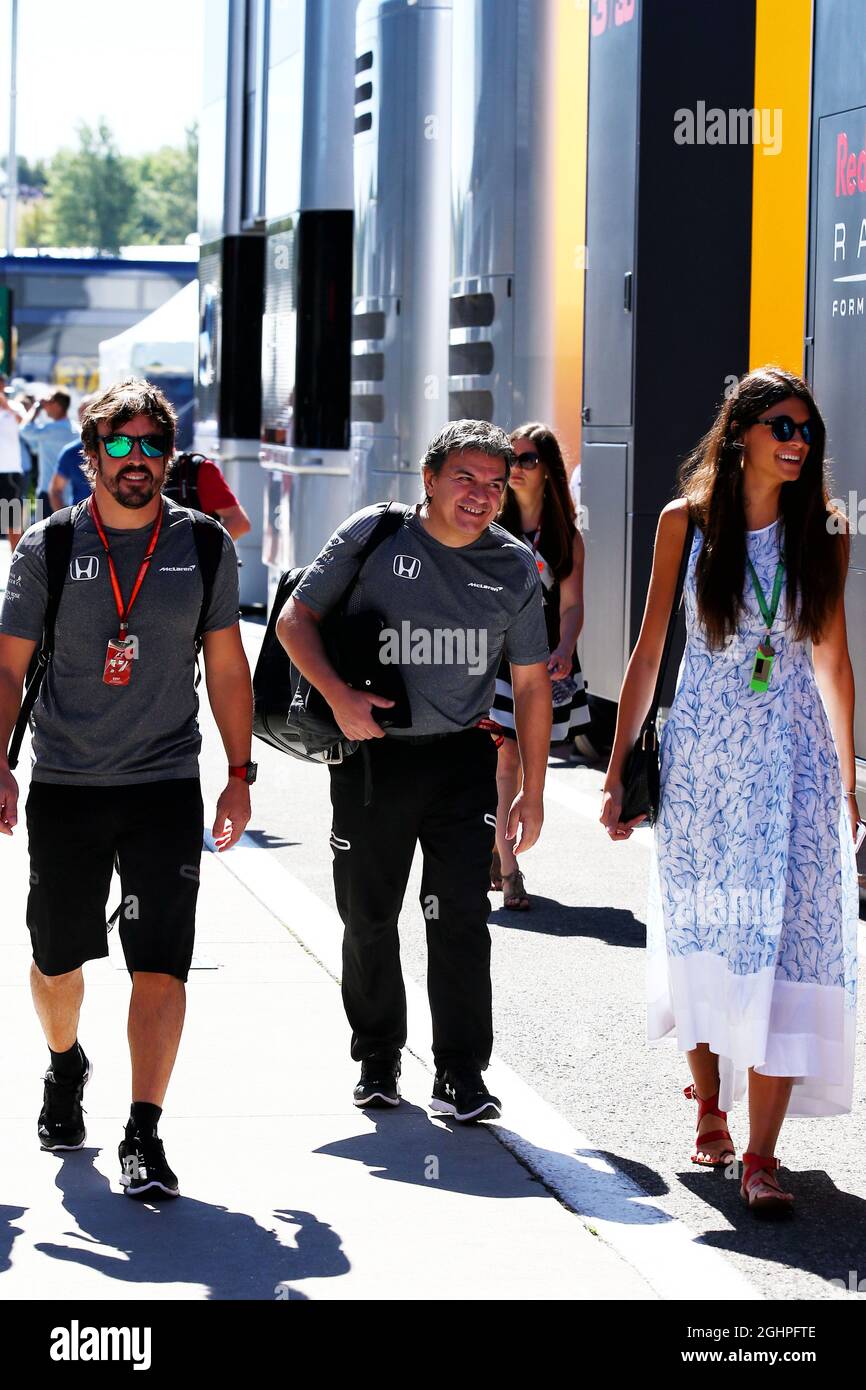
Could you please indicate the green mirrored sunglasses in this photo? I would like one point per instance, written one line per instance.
(120, 446)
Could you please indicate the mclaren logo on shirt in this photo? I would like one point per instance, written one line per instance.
(406, 567)
(84, 567)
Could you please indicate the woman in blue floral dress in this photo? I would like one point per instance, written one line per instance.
(753, 902)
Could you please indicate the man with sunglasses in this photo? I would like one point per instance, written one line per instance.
(116, 743)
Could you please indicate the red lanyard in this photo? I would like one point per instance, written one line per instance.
(541, 563)
(124, 612)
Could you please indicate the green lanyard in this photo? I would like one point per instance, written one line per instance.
(768, 614)
(762, 666)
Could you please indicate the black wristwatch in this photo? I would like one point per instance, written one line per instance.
(246, 771)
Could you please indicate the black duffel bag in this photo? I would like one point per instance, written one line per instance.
(289, 713)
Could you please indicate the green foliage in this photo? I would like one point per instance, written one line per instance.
(97, 197)
(167, 184)
(36, 224)
(33, 175)
(92, 191)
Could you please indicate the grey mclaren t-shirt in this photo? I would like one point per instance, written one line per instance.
(92, 734)
(450, 612)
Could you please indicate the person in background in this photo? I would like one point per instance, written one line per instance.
(17, 407)
(69, 484)
(11, 470)
(48, 436)
(537, 507)
(198, 482)
(21, 404)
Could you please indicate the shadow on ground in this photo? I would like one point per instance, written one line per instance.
(8, 1233)
(546, 917)
(188, 1241)
(406, 1145)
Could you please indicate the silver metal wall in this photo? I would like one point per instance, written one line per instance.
(402, 253)
(309, 192)
(501, 337)
(229, 279)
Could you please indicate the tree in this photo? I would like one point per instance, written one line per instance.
(167, 182)
(36, 225)
(93, 193)
(97, 197)
(33, 175)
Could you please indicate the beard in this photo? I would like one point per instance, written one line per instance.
(131, 494)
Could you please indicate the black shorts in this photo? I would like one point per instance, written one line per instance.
(11, 487)
(155, 829)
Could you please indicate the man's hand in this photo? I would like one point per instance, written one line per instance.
(353, 712)
(527, 814)
(232, 814)
(8, 802)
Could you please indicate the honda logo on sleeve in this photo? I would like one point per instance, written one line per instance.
(84, 567)
(406, 567)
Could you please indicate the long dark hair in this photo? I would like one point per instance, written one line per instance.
(711, 479)
(558, 524)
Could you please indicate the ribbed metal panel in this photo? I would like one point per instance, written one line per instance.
(210, 333)
(279, 336)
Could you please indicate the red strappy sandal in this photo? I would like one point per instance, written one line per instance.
(773, 1201)
(709, 1107)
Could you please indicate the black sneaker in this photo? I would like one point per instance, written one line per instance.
(61, 1122)
(143, 1169)
(463, 1094)
(378, 1084)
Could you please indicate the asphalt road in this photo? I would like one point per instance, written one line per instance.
(569, 1015)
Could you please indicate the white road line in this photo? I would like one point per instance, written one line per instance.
(664, 1251)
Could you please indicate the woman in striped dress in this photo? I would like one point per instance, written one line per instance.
(538, 508)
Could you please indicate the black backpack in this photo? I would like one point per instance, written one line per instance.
(59, 530)
(182, 486)
(289, 713)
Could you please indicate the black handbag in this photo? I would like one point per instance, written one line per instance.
(291, 714)
(641, 794)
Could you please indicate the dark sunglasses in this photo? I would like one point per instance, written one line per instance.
(783, 428)
(527, 461)
(120, 446)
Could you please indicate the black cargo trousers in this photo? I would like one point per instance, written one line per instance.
(441, 793)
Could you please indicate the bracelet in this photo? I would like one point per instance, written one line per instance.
(854, 793)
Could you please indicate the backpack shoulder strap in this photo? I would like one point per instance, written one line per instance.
(59, 533)
(208, 536)
(389, 524)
